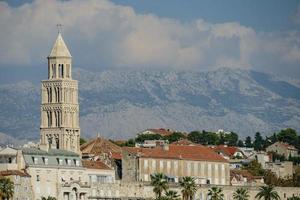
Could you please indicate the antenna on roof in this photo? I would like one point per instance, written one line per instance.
(59, 28)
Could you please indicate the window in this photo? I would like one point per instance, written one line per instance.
(161, 164)
(53, 71)
(223, 181)
(145, 164)
(195, 169)
(35, 160)
(175, 166)
(168, 165)
(59, 161)
(45, 160)
(188, 166)
(153, 164)
(146, 177)
(69, 162)
(38, 178)
(9, 160)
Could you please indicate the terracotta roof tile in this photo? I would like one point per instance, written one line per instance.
(228, 150)
(14, 172)
(198, 152)
(95, 165)
(243, 173)
(161, 131)
(183, 142)
(98, 146)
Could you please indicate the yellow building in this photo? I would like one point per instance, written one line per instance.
(176, 161)
(22, 186)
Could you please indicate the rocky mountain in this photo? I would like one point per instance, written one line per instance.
(121, 103)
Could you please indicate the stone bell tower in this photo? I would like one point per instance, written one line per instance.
(59, 108)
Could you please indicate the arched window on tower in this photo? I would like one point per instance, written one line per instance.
(49, 116)
(59, 70)
(53, 71)
(57, 143)
(62, 70)
(68, 70)
(58, 94)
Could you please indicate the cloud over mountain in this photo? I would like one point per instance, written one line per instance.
(101, 34)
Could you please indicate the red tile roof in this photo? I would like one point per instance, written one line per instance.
(286, 145)
(98, 146)
(117, 155)
(183, 142)
(14, 173)
(183, 152)
(239, 174)
(95, 165)
(161, 131)
(228, 150)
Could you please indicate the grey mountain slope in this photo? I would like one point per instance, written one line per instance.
(120, 103)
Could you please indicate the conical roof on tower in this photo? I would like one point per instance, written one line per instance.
(60, 48)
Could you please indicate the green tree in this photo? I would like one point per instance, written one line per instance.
(248, 142)
(174, 137)
(241, 194)
(216, 193)
(221, 139)
(142, 137)
(255, 168)
(258, 142)
(267, 193)
(189, 187)
(82, 141)
(172, 195)
(289, 136)
(130, 143)
(293, 198)
(196, 137)
(296, 177)
(159, 183)
(48, 198)
(240, 143)
(6, 188)
(231, 138)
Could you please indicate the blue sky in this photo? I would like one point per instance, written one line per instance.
(171, 34)
(265, 15)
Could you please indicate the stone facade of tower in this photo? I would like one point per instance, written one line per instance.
(59, 108)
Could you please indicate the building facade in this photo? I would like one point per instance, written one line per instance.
(22, 186)
(175, 161)
(284, 149)
(59, 108)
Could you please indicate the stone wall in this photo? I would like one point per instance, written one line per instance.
(122, 190)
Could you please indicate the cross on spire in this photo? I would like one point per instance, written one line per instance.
(59, 27)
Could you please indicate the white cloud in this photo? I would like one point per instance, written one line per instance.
(100, 33)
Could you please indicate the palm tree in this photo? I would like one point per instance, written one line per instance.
(6, 188)
(48, 198)
(241, 194)
(215, 193)
(160, 184)
(172, 195)
(189, 187)
(267, 193)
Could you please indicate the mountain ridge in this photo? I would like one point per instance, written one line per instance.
(121, 103)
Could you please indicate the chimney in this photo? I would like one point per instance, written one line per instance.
(165, 147)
